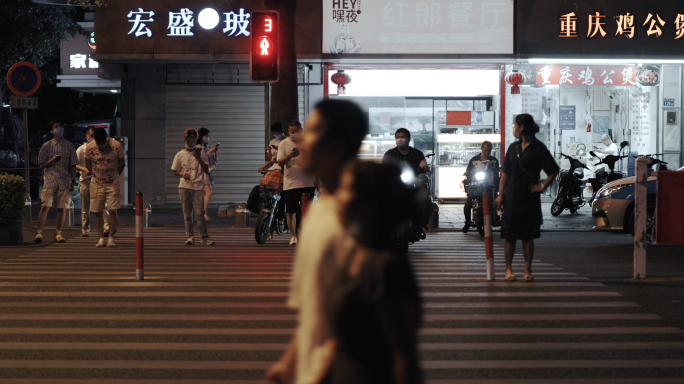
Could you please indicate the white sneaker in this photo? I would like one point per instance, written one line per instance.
(100, 243)
(110, 243)
(293, 240)
(208, 241)
(190, 241)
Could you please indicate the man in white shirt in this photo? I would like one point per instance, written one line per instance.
(611, 148)
(191, 164)
(334, 134)
(105, 162)
(296, 182)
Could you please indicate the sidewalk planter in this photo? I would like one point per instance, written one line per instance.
(12, 207)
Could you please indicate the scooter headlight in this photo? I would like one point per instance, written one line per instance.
(406, 176)
(480, 176)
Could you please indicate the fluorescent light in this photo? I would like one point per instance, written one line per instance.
(416, 82)
(603, 61)
(113, 91)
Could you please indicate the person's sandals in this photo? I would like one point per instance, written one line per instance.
(511, 277)
(529, 277)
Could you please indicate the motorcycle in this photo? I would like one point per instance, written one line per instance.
(412, 228)
(570, 188)
(484, 183)
(271, 214)
(602, 177)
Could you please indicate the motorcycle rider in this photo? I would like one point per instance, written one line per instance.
(474, 165)
(404, 153)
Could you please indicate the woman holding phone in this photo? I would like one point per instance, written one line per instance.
(212, 154)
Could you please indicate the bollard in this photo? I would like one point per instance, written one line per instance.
(27, 211)
(305, 204)
(139, 238)
(489, 241)
(640, 214)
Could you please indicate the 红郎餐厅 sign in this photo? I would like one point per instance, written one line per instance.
(144, 29)
(632, 28)
(622, 75)
(418, 27)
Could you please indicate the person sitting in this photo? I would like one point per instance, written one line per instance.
(475, 165)
(403, 153)
(611, 148)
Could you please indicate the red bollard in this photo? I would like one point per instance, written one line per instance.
(489, 241)
(139, 238)
(305, 204)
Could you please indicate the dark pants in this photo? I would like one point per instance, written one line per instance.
(468, 209)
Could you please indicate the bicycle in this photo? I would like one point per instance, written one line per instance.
(271, 215)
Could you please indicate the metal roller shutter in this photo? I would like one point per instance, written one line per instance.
(235, 116)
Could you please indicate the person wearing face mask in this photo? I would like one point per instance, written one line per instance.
(105, 162)
(212, 155)
(476, 164)
(295, 182)
(58, 159)
(191, 164)
(277, 136)
(403, 153)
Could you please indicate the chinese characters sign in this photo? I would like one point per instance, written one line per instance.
(182, 23)
(624, 75)
(79, 60)
(418, 27)
(626, 25)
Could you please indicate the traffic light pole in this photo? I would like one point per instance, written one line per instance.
(27, 176)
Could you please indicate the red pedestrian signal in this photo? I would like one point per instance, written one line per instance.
(264, 57)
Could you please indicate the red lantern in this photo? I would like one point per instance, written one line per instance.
(515, 78)
(341, 79)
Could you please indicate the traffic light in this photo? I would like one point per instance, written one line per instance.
(265, 46)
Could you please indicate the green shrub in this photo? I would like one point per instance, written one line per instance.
(12, 194)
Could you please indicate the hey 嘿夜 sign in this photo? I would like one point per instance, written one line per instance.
(418, 27)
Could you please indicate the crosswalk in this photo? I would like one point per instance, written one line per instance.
(71, 313)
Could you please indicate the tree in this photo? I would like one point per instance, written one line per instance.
(284, 96)
(32, 32)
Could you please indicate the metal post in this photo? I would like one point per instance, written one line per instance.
(489, 242)
(139, 238)
(640, 214)
(27, 159)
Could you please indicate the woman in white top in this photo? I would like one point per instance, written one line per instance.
(203, 139)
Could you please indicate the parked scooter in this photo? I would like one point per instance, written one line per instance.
(484, 184)
(570, 188)
(602, 177)
(271, 214)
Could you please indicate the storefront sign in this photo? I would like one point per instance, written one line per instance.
(625, 25)
(458, 117)
(624, 75)
(76, 55)
(640, 122)
(181, 23)
(82, 60)
(418, 27)
(567, 117)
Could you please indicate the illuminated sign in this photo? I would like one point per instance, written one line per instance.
(78, 61)
(264, 65)
(208, 18)
(181, 23)
(624, 75)
(625, 25)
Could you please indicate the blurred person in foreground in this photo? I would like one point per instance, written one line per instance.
(335, 130)
(520, 192)
(373, 303)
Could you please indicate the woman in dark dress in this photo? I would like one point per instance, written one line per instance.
(521, 191)
(373, 305)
